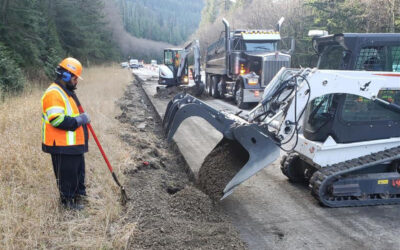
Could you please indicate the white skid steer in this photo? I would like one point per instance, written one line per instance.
(343, 125)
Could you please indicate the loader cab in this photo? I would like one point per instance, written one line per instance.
(348, 118)
(354, 51)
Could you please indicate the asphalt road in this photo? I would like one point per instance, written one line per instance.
(272, 213)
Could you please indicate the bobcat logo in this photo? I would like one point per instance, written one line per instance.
(363, 88)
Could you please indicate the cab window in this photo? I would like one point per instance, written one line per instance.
(359, 109)
(260, 45)
(168, 58)
(379, 58)
(319, 111)
(333, 57)
(237, 44)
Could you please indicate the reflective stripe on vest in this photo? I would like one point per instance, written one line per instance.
(46, 117)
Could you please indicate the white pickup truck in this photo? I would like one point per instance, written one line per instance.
(134, 64)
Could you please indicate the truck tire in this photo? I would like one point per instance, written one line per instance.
(239, 96)
(214, 87)
(222, 88)
(208, 84)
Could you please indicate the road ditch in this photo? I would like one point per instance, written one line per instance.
(171, 213)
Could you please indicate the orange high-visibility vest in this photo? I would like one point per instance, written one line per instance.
(56, 104)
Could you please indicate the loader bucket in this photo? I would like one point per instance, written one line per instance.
(261, 149)
(262, 152)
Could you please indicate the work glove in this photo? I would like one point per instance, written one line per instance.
(82, 119)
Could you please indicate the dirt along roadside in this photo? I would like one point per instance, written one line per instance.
(171, 213)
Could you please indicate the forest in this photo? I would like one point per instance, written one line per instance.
(36, 34)
(170, 21)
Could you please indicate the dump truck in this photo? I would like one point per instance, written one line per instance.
(242, 62)
(340, 124)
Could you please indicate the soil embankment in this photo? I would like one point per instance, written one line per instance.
(171, 213)
(170, 92)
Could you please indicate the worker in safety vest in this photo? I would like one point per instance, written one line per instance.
(177, 62)
(64, 133)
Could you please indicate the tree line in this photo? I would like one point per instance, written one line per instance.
(170, 21)
(335, 16)
(36, 34)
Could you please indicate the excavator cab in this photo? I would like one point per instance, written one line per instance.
(172, 57)
(175, 70)
(168, 73)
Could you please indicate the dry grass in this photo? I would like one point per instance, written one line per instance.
(30, 216)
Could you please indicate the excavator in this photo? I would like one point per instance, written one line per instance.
(176, 70)
(339, 123)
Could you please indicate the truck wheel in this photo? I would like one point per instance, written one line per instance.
(208, 84)
(214, 87)
(239, 97)
(222, 88)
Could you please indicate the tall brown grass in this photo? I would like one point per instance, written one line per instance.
(30, 215)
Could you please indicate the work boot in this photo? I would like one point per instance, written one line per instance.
(81, 199)
(71, 204)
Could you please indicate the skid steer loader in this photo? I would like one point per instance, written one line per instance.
(340, 127)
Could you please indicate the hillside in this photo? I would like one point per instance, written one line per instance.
(171, 21)
(36, 35)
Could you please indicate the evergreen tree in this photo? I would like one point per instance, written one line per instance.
(36, 34)
(171, 21)
(11, 77)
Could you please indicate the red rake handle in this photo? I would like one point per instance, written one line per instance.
(98, 143)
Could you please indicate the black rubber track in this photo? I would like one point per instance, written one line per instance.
(322, 180)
